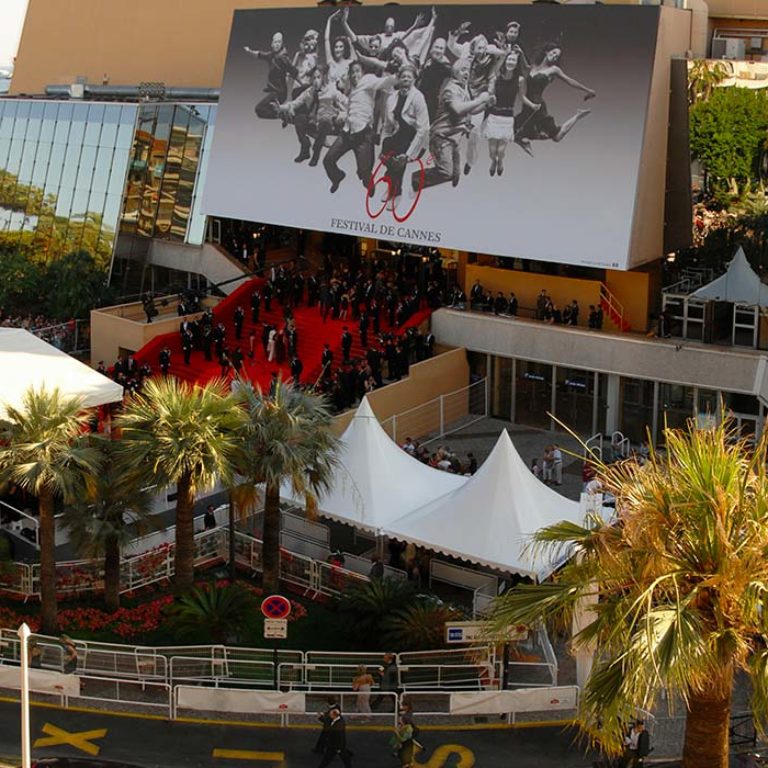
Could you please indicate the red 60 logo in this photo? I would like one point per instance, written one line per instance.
(380, 176)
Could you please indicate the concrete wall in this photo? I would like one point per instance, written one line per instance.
(428, 380)
(686, 363)
(178, 42)
(124, 326)
(647, 240)
(217, 267)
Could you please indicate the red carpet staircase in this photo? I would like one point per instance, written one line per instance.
(312, 335)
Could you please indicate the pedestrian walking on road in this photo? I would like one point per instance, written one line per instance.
(403, 742)
(362, 685)
(336, 741)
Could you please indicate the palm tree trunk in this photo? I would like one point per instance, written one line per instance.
(48, 605)
(185, 535)
(231, 524)
(270, 553)
(707, 723)
(112, 573)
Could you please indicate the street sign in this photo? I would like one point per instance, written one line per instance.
(276, 607)
(275, 629)
(477, 631)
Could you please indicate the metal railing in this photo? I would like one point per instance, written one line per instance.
(71, 337)
(594, 446)
(440, 417)
(615, 309)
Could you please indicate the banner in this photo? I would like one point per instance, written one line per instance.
(523, 700)
(515, 131)
(41, 681)
(239, 701)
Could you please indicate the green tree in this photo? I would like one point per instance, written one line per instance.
(682, 586)
(703, 77)
(183, 435)
(286, 437)
(97, 520)
(21, 282)
(213, 614)
(420, 626)
(369, 605)
(77, 284)
(46, 451)
(727, 134)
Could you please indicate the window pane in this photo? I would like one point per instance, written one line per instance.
(35, 121)
(48, 128)
(56, 162)
(93, 124)
(41, 164)
(7, 117)
(85, 171)
(109, 126)
(27, 162)
(126, 127)
(61, 134)
(102, 169)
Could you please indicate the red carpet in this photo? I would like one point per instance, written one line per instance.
(312, 335)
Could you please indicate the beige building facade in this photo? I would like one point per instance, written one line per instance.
(178, 42)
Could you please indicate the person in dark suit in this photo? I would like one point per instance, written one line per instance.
(296, 368)
(327, 357)
(165, 360)
(364, 329)
(255, 306)
(637, 746)
(267, 294)
(239, 318)
(336, 741)
(346, 344)
(237, 360)
(207, 342)
(187, 343)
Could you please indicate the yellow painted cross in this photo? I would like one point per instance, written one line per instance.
(79, 740)
(439, 757)
(247, 754)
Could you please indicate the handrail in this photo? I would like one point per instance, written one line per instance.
(613, 305)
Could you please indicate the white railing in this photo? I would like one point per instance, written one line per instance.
(533, 663)
(439, 417)
(20, 523)
(71, 337)
(620, 445)
(484, 586)
(594, 446)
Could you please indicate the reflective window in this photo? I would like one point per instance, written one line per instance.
(57, 165)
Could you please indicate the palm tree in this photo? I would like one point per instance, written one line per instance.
(703, 77)
(682, 586)
(97, 522)
(46, 451)
(184, 435)
(214, 614)
(287, 437)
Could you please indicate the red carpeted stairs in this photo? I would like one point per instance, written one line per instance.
(312, 335)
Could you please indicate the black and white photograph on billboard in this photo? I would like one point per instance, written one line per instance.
(508, 130)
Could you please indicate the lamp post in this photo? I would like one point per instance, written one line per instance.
(26, 750)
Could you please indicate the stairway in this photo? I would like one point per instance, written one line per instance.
(613, 309)
(313, 334)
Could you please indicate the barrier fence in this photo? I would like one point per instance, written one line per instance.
(439, 417)
(71, 337)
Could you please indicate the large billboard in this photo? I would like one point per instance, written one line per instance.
(508, 130)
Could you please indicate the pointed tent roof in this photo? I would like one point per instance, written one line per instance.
(376, 481)
(491, 518)
(28, 361)
(739, 284)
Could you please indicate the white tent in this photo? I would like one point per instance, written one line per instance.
(739, 285)
(377, 481)
(27, 361)
(490, 519)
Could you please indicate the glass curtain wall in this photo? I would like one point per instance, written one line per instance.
(167, 173)
(62, 171)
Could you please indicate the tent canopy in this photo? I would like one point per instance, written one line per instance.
(376, 481)
(739, 285)
(27, 361)
(491, 518)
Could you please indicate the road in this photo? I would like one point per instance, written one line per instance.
(157, 743)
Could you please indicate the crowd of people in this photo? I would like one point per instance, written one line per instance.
(443, 458)
(59, 334)
(425, 91)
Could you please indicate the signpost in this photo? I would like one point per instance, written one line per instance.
(457, 632)
(275, 609)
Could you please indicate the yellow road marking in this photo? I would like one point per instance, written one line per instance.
(79, 740)
(439, 758)
(247, 754)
